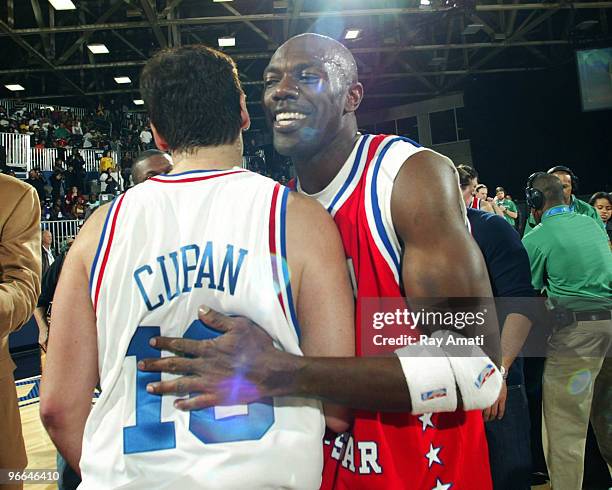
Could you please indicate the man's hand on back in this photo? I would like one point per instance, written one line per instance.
(238, 367)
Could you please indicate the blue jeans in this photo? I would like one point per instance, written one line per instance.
(509, 443)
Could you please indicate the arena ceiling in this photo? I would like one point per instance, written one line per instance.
(406, 49)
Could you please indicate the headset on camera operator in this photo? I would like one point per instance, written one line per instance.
(572, 263)
(569, 181)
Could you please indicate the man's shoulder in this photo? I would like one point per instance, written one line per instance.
(489, 220)
(535, 236)
(579, 203)
(490, 226)
(587, 221)
(393, 151)
(12, 187)
(14, 194)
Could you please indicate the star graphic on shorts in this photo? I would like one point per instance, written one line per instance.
(432, 455)
(426, 421)
(441, 486)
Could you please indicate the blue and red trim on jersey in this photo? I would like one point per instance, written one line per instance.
(352, 175)
(192, 176)
(278, 254)
(380, 227)
(104, 246)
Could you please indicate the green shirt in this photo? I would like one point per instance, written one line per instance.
(576, 205)
(510, 206)
(61, 133)
(571, 260)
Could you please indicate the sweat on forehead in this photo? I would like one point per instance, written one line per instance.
(324, 49)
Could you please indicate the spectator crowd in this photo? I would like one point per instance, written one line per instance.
(52, 128)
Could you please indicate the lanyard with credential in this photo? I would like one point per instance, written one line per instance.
(557, 210)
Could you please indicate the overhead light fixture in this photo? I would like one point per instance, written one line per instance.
(437, 61)
(585, 25)
(62, 4)
(472, 29)
(425, 3)
(280, 4)
(352, 34)
(98, 48)
(226, 42)
(14, 87)
(222, 0)
(138, 102)
(123, 80)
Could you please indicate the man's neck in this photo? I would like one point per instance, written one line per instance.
(315, 172)
(209, 158)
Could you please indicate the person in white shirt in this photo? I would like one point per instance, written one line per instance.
(145, 138)
(87, 140)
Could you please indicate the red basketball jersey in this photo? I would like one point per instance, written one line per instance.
(474, 203)
(391, 450)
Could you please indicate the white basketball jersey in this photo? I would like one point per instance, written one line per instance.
(168, 246)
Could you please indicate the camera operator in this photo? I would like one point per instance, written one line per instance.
(569, 181)
(571, 262)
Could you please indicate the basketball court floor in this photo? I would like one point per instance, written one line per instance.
(40, 449)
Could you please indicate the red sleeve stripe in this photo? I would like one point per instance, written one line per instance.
(272, 241)
(107, 250)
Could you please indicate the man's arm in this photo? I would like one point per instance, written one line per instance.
(323, 294)
(511, 210)
(72, 355)
(487, 206)
(368, 383)
(537, 261)
(495, 207)
(439, 258)
(20, 263)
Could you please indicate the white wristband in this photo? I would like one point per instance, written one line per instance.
(430, 379)
(476, 375)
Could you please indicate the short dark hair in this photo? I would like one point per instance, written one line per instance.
(147, 154)
(600, 195)
(500, 189)
(481, 186)
(550, 186)
(466, 174)
(193, 95)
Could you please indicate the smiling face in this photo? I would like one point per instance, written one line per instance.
(306, 87)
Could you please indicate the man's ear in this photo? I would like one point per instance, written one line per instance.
(354, 97)
(160, 142)
(245, 119)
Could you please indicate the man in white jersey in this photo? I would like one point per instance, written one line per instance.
(208, 232)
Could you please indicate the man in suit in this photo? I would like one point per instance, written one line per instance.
(46, 251)
(20, 268)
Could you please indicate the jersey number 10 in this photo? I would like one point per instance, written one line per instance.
(151, 434)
